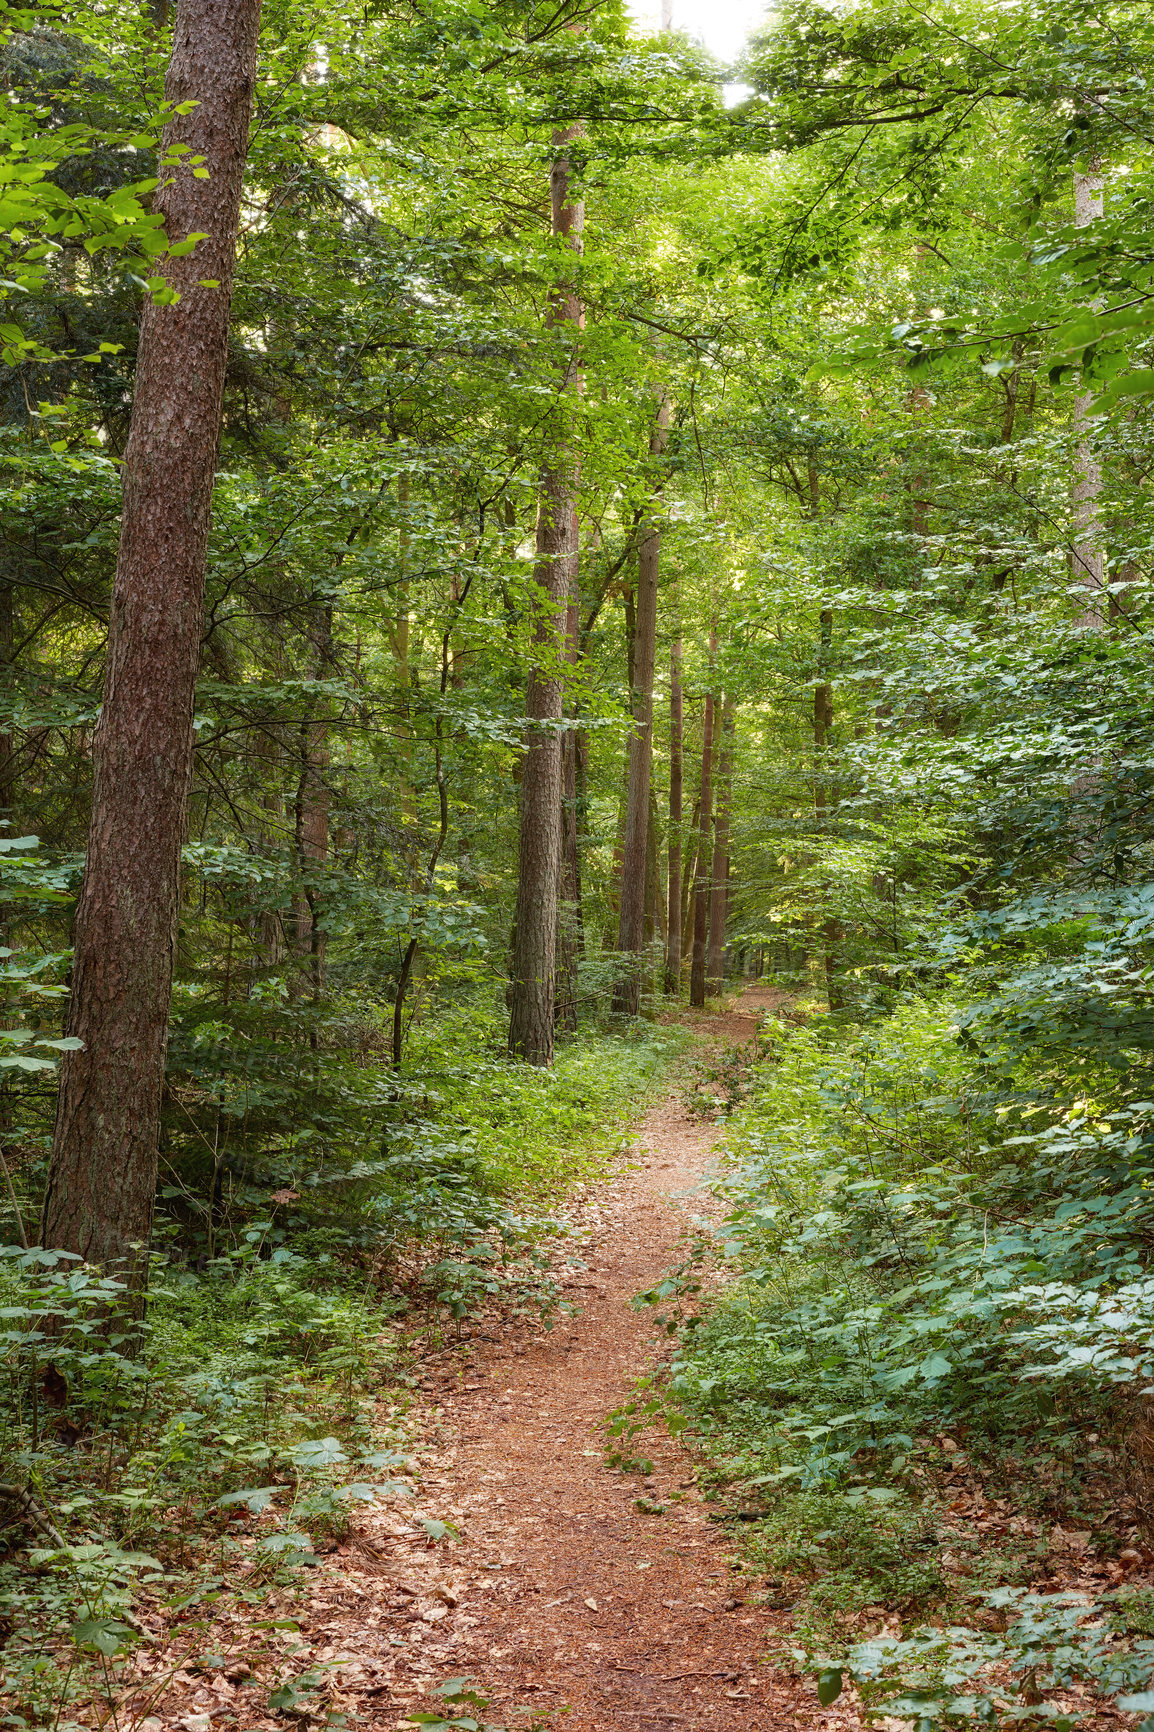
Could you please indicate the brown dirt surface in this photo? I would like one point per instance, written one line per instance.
(560, 1594)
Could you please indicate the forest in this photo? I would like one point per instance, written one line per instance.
(518, 539)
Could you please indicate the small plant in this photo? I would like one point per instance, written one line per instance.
(835, 1553)
(457, 1693)
(627, 1423)
(1051, 1642)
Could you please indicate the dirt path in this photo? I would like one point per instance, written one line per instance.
(560, 1594)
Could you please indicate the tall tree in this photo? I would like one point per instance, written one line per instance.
(719, 887)
(533, 985)
(676, 795)
(102, 1178)
(631, 923)
(832, 933)
(570, 933)
(1088, 558)
(704, 858)
(311, 818)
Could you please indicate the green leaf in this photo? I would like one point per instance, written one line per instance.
(255, 1498)
(315, 1453)
(106, 1635)
(829, 1685)
(439, 1530)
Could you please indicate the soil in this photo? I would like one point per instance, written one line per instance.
(594, 1598)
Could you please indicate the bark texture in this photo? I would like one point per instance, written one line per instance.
(704, 864)
(532, 988)
(676, 796)
(570, 934)
(631, 918)
(719, 885)
(102, 1177)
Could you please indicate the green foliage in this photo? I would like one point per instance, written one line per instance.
(838, 1552)
(229, 1436)
(1050, 1642)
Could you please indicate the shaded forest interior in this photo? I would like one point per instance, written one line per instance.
(508, 537)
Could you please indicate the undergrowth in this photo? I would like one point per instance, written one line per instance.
(218, 1446)
(928, 1356)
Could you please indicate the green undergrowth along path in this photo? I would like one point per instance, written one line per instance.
(216, 1448)
(920, 1389)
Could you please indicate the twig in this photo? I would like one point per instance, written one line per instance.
(33, 1512)
(15, 1204)
(672, 1677)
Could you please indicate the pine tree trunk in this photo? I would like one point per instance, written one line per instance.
(676, 796)
(704, 863)
(102, 1176)
(719, 886)
(533, 985)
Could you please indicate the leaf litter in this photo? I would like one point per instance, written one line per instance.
(524, 1568)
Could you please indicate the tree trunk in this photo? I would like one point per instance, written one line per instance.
(676, 795)
(631, 922)
(270, 947)
(569, 927)
(1088, 555)
(402, 635)
(719, 889)
(7, 671)
(822, 728)
(311, 826)
(1006, 473)
(102, 1177)
(533, 984)
(689, 876)
(617, 874)
(654, 888)
(704, 862)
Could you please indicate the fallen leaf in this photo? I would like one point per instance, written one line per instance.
(592, 1604)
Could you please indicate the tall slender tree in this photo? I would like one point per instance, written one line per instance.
(1088, 556)
(102, 1178)
(704, 854)
(570, 932)
(676, 797)
(311, 818)
(832, 932)
(719, 885)
(631, 921)
(533, 985)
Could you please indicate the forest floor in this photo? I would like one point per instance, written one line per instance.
(553, 1589)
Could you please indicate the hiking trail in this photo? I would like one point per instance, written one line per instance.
(560, 1594)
